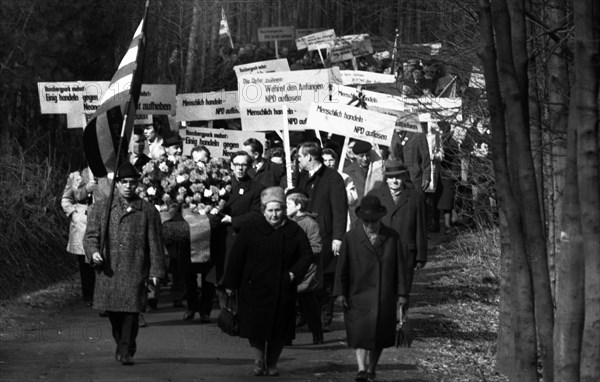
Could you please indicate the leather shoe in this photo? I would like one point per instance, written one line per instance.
(272, 372)
(118, 356)
(127, 360)
(259, 368)
(361, 376)
(188, 315)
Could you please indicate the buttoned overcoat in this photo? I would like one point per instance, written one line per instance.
(133, 254)
(371, 277)
(258, 268)
(407, 218)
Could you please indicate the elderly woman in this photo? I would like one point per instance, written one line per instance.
(371, 285)
(266, 262)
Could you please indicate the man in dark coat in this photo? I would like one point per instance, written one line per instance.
(327, 193)
(371, 285)
(264, 172)
(240, 210)
(405, 214)
(413, 150)
(138, 142)
(133, 254)
(267, 261)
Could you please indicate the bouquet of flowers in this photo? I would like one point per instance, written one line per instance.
(176, 179)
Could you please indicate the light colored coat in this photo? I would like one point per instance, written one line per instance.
(134, 253)
(74, 205)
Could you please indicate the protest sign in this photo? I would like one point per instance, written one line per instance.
(74, 97)
(435, 47)
(157, 99)
(261, 96)
(280, 65)
(275, 34)
(301, 32)
(220, 143)
(359, 77)
(352, 122)
(315, 41)
(347, 47)
(142, 119)
(207, 106)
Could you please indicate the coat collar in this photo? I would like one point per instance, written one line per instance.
(365, 242)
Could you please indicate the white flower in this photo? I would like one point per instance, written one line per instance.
(222, 191)
(163, 167)
(151, 191)
(171, 158)
(207, 193)
(180, 179)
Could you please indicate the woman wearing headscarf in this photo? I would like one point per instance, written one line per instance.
(266, 262)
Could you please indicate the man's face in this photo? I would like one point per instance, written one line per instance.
(394, 182)
(248, 149)
(138, 143)
(303, 160)
(149, 132)
(329, 161)
(292, 208)
(274, 213)
(363, 159)
(200, 156)
(239, 166)
(126, 187)
(173, 150)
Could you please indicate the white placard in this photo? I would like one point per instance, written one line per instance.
(280, 65)
(261, 96)
(157, 99)
(352, 122)
(207, 106)
(319, 40)
(359, 77)
(76, 97)
(220, 143)
(275, 34)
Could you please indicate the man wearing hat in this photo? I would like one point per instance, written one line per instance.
(371, 285)
(366, 172)
(405, 214)
(132, 255)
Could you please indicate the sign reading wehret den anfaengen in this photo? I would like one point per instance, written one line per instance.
(352, 122)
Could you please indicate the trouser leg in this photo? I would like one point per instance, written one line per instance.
(309, 305)
(326, 299)
(191, 291)
(88, 278)
(116, 323)
(127, 344)
(207, 294)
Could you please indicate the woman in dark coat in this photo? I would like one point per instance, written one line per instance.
(371, 284)
(266, 262)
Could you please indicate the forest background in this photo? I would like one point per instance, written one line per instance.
(541, 65)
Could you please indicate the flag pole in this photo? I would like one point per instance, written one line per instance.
(126, 125)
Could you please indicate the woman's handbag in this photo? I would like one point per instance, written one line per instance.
(228, 320)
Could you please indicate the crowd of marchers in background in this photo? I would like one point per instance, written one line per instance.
(414, 77)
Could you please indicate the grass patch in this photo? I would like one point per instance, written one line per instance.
(456, 308)
(34, 228)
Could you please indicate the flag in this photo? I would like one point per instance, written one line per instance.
(103, 132)
(224, 27)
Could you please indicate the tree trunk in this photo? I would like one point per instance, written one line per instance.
(513, 72)
(587, 35)
(570, 262)
(190, 66)
(523, 322)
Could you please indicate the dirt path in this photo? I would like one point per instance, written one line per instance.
(74, 344)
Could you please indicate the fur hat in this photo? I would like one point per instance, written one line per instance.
(370, 208)
(272, 194)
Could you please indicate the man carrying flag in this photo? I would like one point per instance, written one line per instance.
(123, 238)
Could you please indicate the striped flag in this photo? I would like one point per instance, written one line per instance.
(224, 27)
(102, 134)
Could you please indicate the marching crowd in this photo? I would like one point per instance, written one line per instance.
(286, 254)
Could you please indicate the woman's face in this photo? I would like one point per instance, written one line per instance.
(274, 213)
(149, 132)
